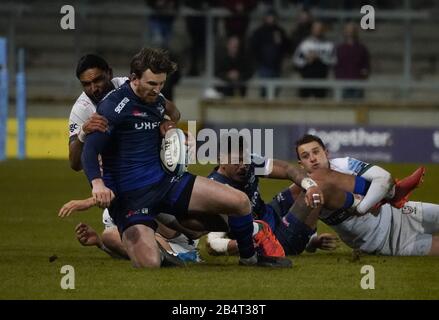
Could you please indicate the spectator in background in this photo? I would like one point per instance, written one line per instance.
(161, 22)
(196, 29)
(302, 30)
(313, 58)
(269, 46)
(234, 68)
(238, 22)
(353, 61)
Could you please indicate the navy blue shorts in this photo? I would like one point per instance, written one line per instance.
(277, 208)
(171, 195)
(296, 235)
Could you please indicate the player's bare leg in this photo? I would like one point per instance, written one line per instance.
(199, 223)
(211, 197)
(142, 249)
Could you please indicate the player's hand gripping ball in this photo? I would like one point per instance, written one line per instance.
(174, 152)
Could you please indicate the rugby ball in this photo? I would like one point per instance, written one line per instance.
(174, 152)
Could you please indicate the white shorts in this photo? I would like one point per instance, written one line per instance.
(182, 244)
(411, 229)
(107, 220)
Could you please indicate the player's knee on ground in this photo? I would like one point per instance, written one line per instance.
(141, 247)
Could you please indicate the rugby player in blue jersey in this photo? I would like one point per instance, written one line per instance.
(96, 78)
(135, 187)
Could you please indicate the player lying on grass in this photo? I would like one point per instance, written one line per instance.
(136, 185)
(294, 227)
(404, 229)
(174, 242)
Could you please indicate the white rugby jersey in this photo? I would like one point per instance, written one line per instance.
(84, 108)
(367, 232)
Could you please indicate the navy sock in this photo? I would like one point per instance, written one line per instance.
(349, 201)
(242, 229)
(361, 186)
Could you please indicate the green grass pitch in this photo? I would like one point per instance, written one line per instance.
(31, 192)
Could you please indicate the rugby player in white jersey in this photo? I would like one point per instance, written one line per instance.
(384, 230)
(97, 80)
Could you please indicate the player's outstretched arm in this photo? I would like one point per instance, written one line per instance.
(76, 205)
(381, 182)
(75, 151)
(283, 170)
(87, 236)
(324, 241)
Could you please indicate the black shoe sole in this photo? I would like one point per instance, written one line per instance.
(271, 262)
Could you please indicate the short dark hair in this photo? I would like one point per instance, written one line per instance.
(90, 61)
(307, 138)
(155, 59)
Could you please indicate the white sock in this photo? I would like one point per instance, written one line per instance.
(256, 228)
(391, 193)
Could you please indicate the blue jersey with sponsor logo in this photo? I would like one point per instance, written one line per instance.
(250, 187)
(130, 149)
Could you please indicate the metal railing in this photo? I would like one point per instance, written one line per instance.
(86, 9)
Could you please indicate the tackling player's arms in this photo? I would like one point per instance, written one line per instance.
(95, 123)
(76, 205)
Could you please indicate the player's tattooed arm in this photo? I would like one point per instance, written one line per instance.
(75, 151)
(284, 170)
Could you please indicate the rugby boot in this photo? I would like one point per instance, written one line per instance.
(266, 242)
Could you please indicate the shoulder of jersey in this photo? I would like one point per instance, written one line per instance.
(118, 81)
(339, 163)
(113, 93)
(83, 102)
